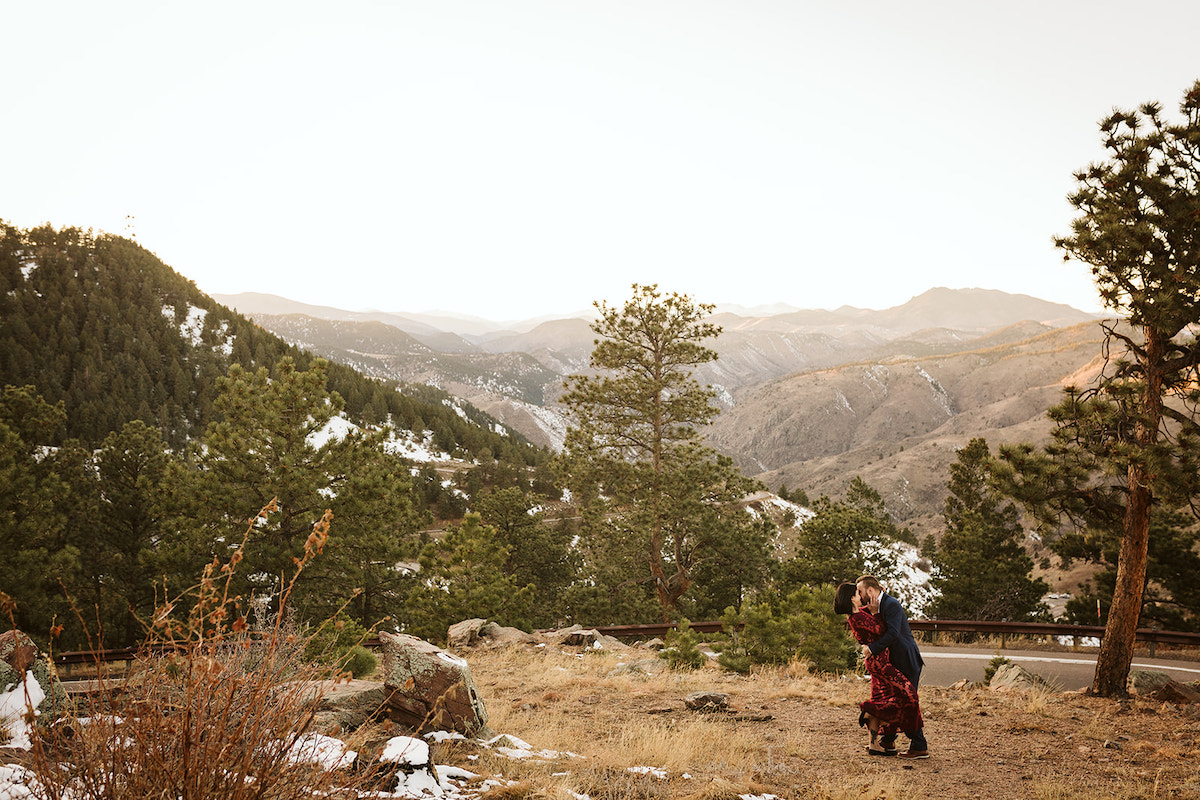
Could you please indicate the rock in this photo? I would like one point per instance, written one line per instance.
(652, 644)
(641, 668)
(475, 632)
(1010, 677)
(404, 768)
(428, 688)
(962, 684)
(465, 633)
(19, 657)
(578, 636)
(344, 706)
(707, 701)
(1177, 693)
(1147, 681)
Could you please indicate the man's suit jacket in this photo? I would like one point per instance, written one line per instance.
(902, 648)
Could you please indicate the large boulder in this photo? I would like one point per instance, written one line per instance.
(25, 677)
(1144, 682)
(475, 632)
(428, 688)
(1010, 677)
(343, 706)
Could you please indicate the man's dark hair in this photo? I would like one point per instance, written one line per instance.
(842, 603)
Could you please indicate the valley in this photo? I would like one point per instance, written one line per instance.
(810, 399)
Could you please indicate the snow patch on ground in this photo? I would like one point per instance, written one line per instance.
(15, 702)
(325, 751)
(842, 402)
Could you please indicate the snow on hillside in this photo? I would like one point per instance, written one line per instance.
(192, 328)
(400, 442)
(910, 583)
(907, 580)
(554, 425)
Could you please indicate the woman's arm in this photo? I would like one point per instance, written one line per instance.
(865, 627)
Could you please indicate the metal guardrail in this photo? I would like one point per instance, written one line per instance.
(1002, 629)
(1152, 635)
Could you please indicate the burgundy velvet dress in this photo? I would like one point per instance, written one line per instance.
(893, 698)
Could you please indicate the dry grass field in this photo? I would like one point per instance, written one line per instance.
(794, 734)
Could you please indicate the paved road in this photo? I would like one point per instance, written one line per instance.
(1072, 670)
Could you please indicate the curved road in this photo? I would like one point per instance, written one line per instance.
(1070, 670)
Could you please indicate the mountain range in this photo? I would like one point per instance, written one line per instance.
(810, 398)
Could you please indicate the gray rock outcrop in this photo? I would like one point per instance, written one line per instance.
(428, 688)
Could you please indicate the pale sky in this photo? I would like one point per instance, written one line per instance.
(515, 159)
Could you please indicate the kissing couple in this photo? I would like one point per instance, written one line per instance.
(893, 660)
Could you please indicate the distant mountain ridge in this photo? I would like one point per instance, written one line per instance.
(811, 398)
(516, 376)
(966, 309)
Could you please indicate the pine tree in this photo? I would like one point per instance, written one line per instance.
(266, 448)
(981, 570)
(462, 577)
(133, 514)
(844, 539)
(538, 554)
(32, 526)
(635, 443)
(1128, 444)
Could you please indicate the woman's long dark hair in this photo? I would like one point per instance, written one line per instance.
(842, 603)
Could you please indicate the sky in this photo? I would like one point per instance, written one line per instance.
(517, 159)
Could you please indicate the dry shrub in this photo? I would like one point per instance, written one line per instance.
(213, 711)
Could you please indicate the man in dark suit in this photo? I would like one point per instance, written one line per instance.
(902, 651)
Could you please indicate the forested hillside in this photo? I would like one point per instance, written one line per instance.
(102, 325)
(142, 425)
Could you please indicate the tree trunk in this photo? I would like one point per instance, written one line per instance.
(1116, 650)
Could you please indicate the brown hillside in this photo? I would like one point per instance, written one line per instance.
(898, 423)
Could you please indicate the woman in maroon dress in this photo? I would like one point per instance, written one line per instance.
(893, 706)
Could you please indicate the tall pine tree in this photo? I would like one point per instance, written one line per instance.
(981, 569)
(1129, 444)
(635, 445)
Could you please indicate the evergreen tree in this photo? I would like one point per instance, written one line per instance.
(133, 471)
(739, 562)
(462, 577)
(1128, 444)
(1170, 601)
(844, 539)
(981, 570)
(635, 446)
(32, 526)
(538, 554)
(268, 447)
